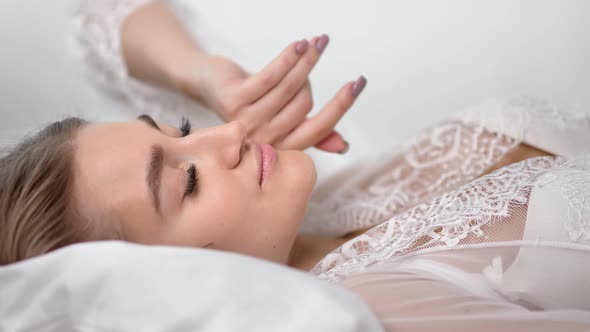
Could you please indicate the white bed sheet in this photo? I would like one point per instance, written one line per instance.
(117, 286)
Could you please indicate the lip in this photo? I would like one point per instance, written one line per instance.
(268, 155)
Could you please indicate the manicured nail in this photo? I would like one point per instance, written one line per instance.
(321, 43)
(346, 147)
(301, 46)
(358, 86)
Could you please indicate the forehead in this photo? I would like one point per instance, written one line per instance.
(110, 163)
(112, 150)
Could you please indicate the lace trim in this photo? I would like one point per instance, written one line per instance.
(536, 121)
(575, 189)
(444, 221)
(441, 159)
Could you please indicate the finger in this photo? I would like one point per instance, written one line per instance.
(275, 99)
(272, 130)
(315, 129)
(259, 84)
(291, 117)
(293, 114)
(333, 143)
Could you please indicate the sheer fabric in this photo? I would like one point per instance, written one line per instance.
(473, 288)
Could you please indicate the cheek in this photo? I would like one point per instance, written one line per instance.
(221, 214)
(238, 216)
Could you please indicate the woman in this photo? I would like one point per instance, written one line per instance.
(480, 222)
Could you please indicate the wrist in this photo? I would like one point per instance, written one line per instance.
(157, 48)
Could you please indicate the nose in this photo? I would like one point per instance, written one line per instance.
(222, 143)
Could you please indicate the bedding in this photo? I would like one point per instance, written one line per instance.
(117, 286)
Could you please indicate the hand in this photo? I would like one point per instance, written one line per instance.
(272, 104)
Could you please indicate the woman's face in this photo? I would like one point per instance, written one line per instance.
(153, 184)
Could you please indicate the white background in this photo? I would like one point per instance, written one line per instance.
(424, 59)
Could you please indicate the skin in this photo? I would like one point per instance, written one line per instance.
(229, 211)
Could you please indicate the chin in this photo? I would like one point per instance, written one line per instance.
(306, 168)
(300, 169)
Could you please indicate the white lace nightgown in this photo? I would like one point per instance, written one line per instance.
(509, 251)
(449, 250)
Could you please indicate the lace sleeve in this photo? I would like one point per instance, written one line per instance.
(99, 25)
(98, 46)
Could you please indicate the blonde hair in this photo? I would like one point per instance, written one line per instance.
(37, 213)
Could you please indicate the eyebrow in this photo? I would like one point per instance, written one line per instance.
(155, 164)
(154, 173)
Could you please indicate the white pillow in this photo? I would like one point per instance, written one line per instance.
(118, 286)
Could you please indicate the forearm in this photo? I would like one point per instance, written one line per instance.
(156, 47)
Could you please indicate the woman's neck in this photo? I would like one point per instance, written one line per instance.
(308, 250)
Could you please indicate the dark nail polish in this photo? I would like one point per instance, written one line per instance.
(346, 147)
(301, 46)
(320, 43)
(358, 86)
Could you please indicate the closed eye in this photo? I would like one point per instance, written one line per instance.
(191, 183)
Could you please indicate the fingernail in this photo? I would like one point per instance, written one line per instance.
(301, 46)
(346, 147)
(358, 86)
(321, 43)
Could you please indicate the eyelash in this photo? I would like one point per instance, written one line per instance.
(193, 179)
(191, 184)
(185, 127)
